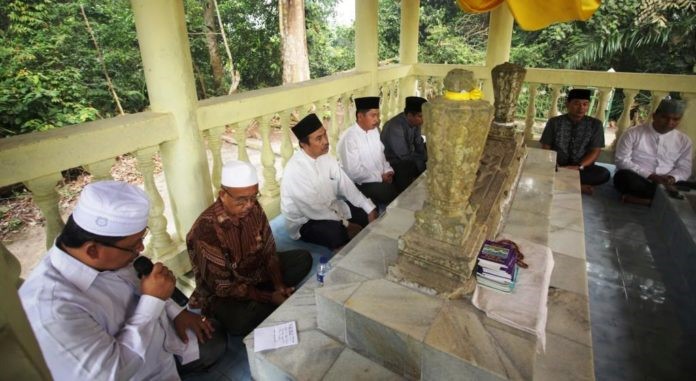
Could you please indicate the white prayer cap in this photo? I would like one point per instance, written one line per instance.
(238, 174)
(112, 209)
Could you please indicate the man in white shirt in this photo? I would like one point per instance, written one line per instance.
(320, 203)
(651, 154)
(362, 154)
(93, 318)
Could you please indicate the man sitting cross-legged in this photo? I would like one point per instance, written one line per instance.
(240, 278)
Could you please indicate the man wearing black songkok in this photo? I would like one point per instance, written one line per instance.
(578, 140)
(404, 146)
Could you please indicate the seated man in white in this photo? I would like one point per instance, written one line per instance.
(362, 154)
(653, 153)
(320, 203)
(93, 318)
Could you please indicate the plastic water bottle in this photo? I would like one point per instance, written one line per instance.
(323, 269)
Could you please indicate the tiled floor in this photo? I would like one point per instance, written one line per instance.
(643, 320)
(641, 308)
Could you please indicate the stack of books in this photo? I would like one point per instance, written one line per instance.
(496, 267)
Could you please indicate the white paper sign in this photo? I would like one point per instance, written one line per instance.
(276, 336)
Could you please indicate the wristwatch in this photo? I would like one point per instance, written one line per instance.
(581, 167)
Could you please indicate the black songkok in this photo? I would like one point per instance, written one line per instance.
(414, 104)
(579, 94)
(366, 103)
(306, 126)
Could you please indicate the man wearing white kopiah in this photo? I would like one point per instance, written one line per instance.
(320, 203)
(362, 154)
(93, 318)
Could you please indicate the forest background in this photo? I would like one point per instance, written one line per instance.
(51, 74)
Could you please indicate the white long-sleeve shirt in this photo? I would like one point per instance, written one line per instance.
(644, 151)
(314, 189)
(95, 325)
(362, 155)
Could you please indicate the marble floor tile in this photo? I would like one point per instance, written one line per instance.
(299, 362)
(351, 366)
(371, 257)
(331, 314)
(568, 242)
(393, 224)
(569, 316)
(562, 358)
(566, 219)
(569, 273)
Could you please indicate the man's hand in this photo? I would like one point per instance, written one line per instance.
(278, 297)
(573, 167)
(388, 177)
(200, 325)
(353, 229)
(160, 283)
(287, 291)
(372, 215)
(662, 179)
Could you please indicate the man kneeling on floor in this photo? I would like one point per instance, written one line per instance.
(240, 279)
(651, 154)
(93, 318)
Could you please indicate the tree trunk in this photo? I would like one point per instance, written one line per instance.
(293, 41)
(211, 41)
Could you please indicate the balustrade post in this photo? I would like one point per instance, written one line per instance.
(333, 126)
(555, 94)
(271, 189)
(530, 118)
(286, 142)
(604, 93)
(46, 197)
(655, 98)
(214, 136)
(347, 116)
(625, 118)
(100, 170)
(241, 139)
(422, 86)
(161, 244)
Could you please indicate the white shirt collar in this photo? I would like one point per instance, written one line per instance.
(76, 272)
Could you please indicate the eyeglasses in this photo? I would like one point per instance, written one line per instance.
(131, 250)
(241, 201)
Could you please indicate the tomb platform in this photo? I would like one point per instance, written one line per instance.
(362, 326)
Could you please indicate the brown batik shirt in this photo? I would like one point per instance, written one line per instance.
(229, 258)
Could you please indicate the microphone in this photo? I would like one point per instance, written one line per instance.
(143, 266)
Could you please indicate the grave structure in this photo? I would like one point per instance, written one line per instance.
(473, 168)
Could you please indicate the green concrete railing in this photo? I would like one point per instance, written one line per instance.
(38, 159)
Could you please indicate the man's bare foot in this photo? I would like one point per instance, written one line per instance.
(353, 229)
(628, 199)
(587, 189)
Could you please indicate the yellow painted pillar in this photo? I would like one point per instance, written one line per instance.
(499, 41)
(366, 55)
(164, 48)
(408, 45)
(21, 354)
(688, 123)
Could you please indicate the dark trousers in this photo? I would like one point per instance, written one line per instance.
(330, 233)
(239, 317)
(405, 172)
(631, 183)
(594, 175)
(379, 193)
(208, 352)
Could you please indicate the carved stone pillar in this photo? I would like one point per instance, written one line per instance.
(439, 251)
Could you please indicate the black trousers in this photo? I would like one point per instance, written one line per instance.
(405, 172)
(330, 233)
(208, 352)
(379, 193)
(631, 183)
(239, 317)
(594, 175)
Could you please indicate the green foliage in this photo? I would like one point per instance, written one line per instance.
(446, 34)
